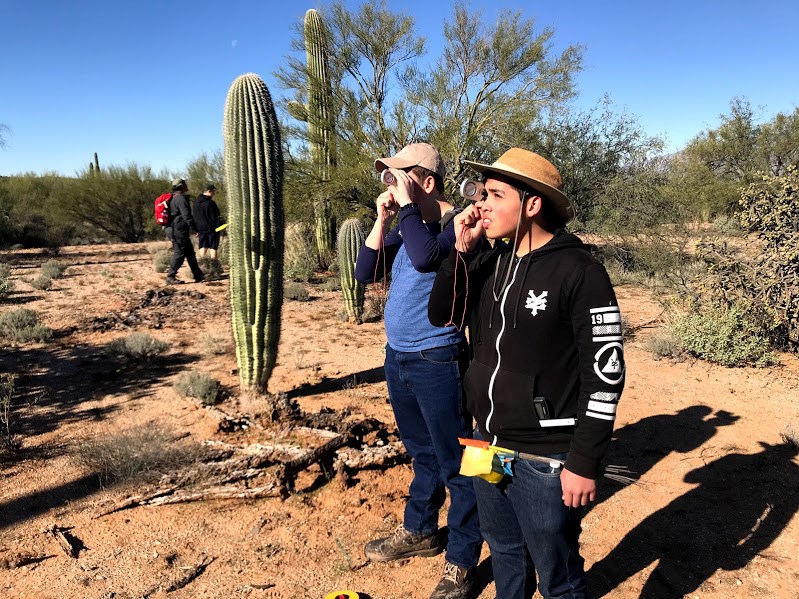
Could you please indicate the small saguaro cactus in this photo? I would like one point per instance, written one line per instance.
(350, 239)
(254, 177)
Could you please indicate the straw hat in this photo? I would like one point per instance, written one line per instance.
(532, 170)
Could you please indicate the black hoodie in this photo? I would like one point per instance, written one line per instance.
(544, 329)
(206, 213)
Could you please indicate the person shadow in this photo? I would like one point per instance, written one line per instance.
(742, 504)
(641, 445)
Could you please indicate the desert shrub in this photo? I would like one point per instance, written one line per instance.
(6, 284)
(374, 306)
(223, 253)
(665, 345)
(42, 283)
(724, 224)
(214, 345)
(198, 385)
(143, 454)
(22, 325)
(161, 260)
(763, 282)
(653, 259)
(300, 258)
(137, 346)
(9, 441)
(54, 269)
(157, 246)
(211, 267)
(331, 284)
(723, 335)
(296, 292)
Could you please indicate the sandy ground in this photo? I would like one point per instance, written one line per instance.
(713, 516)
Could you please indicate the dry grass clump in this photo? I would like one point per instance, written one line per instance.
(137, 347)
(211, 267)
(296, 292)
(144, 454)
(22, 325)
(161, 260)
(54, 269)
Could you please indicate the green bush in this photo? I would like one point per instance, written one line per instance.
(54, 269)
(137, 346)
(6, 284)
(22, 325)
(723, 335)
(198, 385)
(215, 346)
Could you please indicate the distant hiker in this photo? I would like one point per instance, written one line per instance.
(181, 224)
(547, 371)
(422, 368)
(206, 215)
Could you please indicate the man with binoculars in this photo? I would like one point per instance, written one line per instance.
(547, 370)
(423, 366)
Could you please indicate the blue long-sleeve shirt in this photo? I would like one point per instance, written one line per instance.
(413, 251)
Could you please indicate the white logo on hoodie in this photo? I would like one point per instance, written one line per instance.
(536, 302)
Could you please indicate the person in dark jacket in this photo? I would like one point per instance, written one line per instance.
(207, 217)
(181, 224)
(547, 368)
(423, 368)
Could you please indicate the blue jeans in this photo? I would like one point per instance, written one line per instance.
(426, 396)
(529, 530)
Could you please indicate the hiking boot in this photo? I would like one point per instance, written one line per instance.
(456, 583)
(401, 544)
(173, 281)
(200, 279)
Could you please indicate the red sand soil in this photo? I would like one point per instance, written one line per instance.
(713, 517)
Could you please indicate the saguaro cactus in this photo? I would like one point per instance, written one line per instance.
(350, 239)
(318, 114)
(254, 177)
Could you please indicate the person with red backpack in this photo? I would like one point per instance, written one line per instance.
(178, 231)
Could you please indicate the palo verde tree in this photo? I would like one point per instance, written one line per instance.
(117, 200)
(718, 162)
(490, 86)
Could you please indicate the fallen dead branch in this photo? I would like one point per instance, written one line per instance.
(338, 456)
(69, 543)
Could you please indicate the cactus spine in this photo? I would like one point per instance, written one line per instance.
(254, 177)
(319, 116)
(350, 239)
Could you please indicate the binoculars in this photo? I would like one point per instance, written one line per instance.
(387, 178)
(472, 190)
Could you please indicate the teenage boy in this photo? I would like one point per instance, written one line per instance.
(206, 215)
(422, 368)
(547, 371)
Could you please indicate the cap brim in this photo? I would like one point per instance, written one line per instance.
(382, 164)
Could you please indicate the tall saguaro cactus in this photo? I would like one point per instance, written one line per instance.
(318, 114)
(254, 177)
(350, 239)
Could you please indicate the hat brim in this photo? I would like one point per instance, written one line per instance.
(562, 204)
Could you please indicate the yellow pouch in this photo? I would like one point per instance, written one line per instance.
(478, 461)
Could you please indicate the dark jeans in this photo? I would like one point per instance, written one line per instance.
(529, 530)
(182, 249)
(426, 395)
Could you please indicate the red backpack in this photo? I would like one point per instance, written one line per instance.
(162, 209)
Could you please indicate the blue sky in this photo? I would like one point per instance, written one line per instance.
(146, 81)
